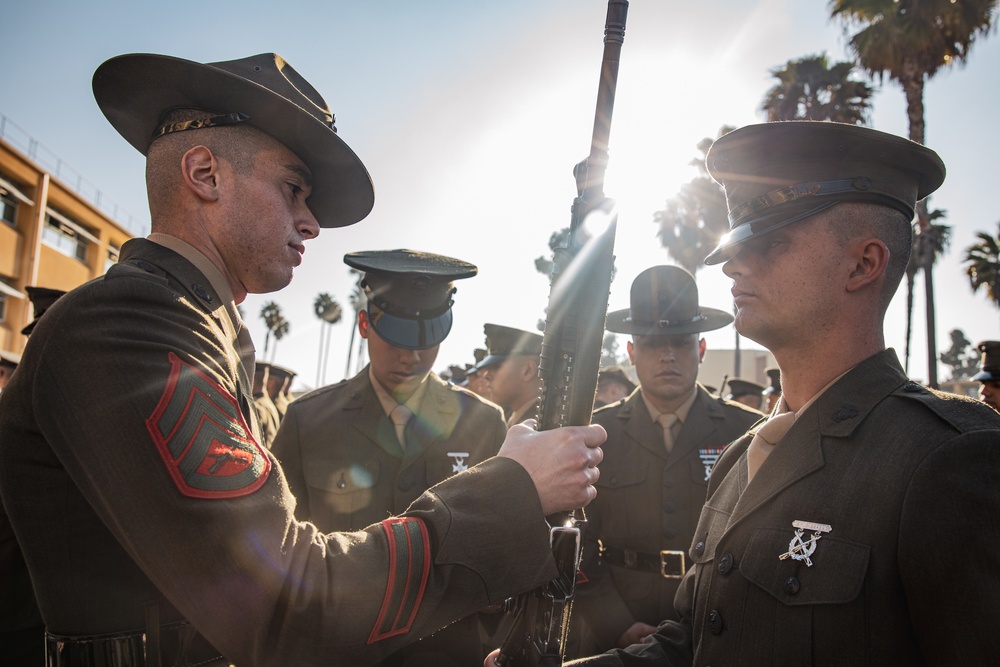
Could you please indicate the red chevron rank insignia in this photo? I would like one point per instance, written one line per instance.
(409, 567)
(203, 438)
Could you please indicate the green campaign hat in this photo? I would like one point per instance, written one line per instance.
(778, 173)
(410, 294)
(664, 301)
(135, 91)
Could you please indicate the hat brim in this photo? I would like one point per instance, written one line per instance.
(411, 334)
(987, 376)
(134, 90)
(619, 321)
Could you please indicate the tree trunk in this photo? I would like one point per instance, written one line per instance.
(932, 378)
(909, 321)
(350, 351)
(319, 359)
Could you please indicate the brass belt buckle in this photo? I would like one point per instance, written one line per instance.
(670, 562)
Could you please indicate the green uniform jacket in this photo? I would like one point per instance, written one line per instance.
(267, 416)
(347, 470)
(131, 471)
(909, 481)
(647, 501)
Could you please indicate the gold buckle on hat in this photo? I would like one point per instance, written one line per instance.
(672, 559)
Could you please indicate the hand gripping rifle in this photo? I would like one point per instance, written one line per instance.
(569, 365)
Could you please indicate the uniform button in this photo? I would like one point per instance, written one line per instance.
(715, 622)
(725, 564)
(669, 507)
(912, 387)
(699, 548)
(792, 586)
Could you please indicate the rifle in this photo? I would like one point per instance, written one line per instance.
(569, 364)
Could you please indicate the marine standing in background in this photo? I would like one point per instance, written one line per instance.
(772, 392)
(279, 387)
(511, 370)
(156, 528)
(613, 384)
(662, 443)
(859, 524)
(366, 448)
(267, 413)
(989, 373)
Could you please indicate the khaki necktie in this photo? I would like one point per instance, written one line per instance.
(667, 421)
(764, 440)
(400, 416)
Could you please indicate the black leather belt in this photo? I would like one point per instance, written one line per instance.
(177, 644)
(669, 564)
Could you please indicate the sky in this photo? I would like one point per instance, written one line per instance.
(470, 116)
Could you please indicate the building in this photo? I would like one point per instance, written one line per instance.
(51, 234)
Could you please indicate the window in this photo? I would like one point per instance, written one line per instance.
(66, 236)
(112, 258)
(8, 207)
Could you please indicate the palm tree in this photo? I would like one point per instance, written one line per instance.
(281, 329)
(270, 312)
(983, 265)
(928, 245)
(910, 41)
(329, 313)
(693, 221)
(810, 89)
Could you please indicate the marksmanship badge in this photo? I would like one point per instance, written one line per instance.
(459, 465)
(708, 458)
(802, 549)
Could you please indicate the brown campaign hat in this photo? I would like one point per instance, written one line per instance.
(989, 366)
(410, 294)
(616, 374)
(778, 173)
(664, 301)
(135, 90)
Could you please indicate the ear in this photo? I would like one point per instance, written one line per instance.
(363, 323)
(870, 257)
(702, 346)
(631, 352)
(529, 371)
(200, 173)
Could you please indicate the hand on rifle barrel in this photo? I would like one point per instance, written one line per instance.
(562, 462)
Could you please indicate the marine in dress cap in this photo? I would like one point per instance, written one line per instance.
(740, 387)
(410, 294)
(989, 366)
(664, 301)
(774, 375)
(135, 91)
(503, 342)
(778, 173)
(41, 299)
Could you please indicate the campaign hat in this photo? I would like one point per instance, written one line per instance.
(989, 366)
(135, 91)
(664, 301)
(503, 342)
(617, 374)
(410, 294)
(41, 299)
(9, 359)
(775, 174)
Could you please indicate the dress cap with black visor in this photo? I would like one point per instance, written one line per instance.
(778, 173)
(409, 294)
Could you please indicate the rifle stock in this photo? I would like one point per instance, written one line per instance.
(570, 362)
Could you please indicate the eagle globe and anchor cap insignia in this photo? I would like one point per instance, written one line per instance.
(203, 438)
